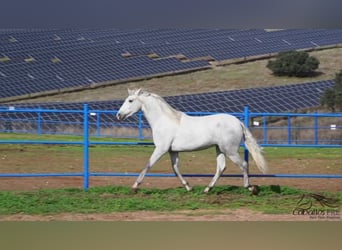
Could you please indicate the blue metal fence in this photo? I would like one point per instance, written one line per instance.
(91, 120)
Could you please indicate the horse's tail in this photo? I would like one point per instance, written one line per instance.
(254, 149)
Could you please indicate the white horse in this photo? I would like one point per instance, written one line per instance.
(174, 131)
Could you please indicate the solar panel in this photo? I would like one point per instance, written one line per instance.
(39, 59)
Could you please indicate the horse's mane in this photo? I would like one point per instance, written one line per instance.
(169, 110)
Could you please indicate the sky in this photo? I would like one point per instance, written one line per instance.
(128, 14)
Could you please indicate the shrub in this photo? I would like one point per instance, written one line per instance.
(332, 98)
(293, 63)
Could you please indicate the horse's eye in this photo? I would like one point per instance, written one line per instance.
(130, 101)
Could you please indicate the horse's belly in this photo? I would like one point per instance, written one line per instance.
(193, 147)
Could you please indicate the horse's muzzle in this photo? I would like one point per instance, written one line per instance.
(120, 116)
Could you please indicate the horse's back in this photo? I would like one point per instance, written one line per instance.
(213, 123)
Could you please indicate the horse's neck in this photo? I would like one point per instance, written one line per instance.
(155, 108)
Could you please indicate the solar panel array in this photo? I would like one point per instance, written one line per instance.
(45, 60)
(270, 99)
(264, 99)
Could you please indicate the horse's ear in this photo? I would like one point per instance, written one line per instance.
(130, 91)
(138, 91)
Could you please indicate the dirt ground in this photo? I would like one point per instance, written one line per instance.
(242, 214)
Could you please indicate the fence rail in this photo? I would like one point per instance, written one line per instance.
(271, 130)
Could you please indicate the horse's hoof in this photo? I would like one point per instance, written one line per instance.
(254, 189)
(188, 188)
(134, 188)
(206, 190)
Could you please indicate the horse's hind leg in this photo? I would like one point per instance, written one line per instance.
(243, 166)
(175, 162)
(221, 166)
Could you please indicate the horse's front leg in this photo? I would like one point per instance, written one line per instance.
(175, 163)
(157, 153)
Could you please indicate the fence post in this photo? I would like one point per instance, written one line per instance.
(316, 128)
(246, 122)
(39, 121)
(98, 124)
(289, 130)
(85, 147)
(265, 129)
(141, 135)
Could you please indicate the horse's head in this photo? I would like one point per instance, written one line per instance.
(131, 105)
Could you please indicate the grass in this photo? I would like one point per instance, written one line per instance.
(271, 151)
(59, 137)
(271, 199)
(303, 153)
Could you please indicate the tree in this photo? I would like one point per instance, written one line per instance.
(338, 81)
(332, 98)
(293, 63)
(328, 99)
